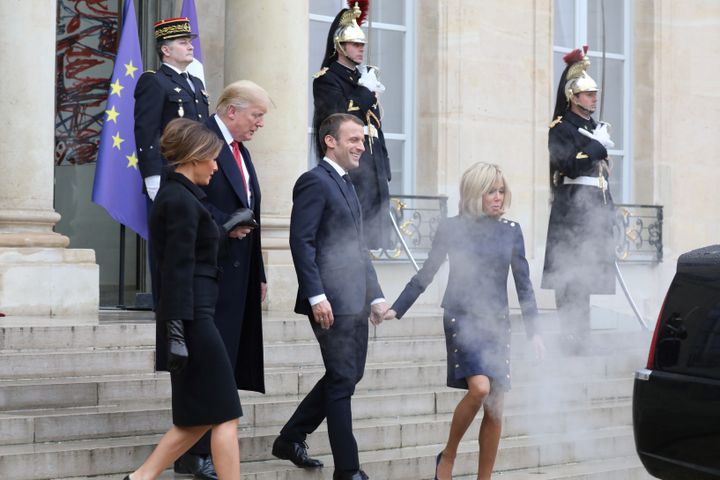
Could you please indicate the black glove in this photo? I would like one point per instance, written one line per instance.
(177, 354)
(242, 217)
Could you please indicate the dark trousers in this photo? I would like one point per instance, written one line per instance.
(344, 351)
(573, 307)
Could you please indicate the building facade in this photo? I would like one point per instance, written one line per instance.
(467, 81)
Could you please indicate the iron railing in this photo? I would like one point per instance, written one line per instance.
(638, 233)
(637, 230)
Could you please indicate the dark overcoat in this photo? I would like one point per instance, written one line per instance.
(238, 313)
(579, 249)
(185, 238)
(160, 97)
(336, 90)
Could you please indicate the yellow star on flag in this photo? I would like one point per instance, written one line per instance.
(112, 114)
(116, 87)
(132, 161)
(117, 140)
(129, 69)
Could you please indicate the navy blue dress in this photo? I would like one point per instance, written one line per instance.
(477, 325)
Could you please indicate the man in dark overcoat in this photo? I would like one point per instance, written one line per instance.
(344, 86)
(339, 292)
(579, 255)
(242, 286)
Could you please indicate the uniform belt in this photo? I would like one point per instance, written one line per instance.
(598, 182)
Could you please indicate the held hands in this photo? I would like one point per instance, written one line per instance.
(177, 354)
(377, 313)
(322, 313)
(600, 134)
(390, 314)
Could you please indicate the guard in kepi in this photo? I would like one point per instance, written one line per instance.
(160, 97)
(579, 255)
(343, 85)
(169, 93)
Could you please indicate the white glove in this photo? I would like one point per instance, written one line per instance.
(600, 134)
(152, 185)
(369, 80)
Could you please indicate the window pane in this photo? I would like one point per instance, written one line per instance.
(395, 151)
(616, 178)
(386, 52)
(565, 23)
(611, 96)
(614, 22)
(388, 11)
(326, 7)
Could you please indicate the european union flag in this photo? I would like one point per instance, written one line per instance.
(118, 186)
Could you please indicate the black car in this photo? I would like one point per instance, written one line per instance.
(676, 399)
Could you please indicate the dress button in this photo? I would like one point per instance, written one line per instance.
(508, 345)
(508, 375)
(456, 350)
(199, 115)
(454, 335)
(457, 365)
(507, 361)
(236, 263)
(197, 101)
(452, 320)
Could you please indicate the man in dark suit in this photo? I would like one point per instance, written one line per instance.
(338, 290)
(242, 287)
(345, 86)
(169, 93)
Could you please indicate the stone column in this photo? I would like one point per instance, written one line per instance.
(38, 275)
(267, 42)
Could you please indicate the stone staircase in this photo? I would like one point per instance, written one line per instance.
(82, 401)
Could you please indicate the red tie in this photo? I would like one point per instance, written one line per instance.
(238, 160)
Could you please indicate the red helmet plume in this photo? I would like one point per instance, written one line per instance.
(364, 6)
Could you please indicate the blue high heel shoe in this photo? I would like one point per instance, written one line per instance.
(437, 462)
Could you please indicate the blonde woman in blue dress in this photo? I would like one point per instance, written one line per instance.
(481, 247)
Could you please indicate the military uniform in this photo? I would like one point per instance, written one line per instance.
(336, 89)
(160, 97)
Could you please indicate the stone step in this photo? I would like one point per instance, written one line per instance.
(121, 455)
(77, 362)
(619, 468)
(36, 393)
(33, 338)
(132, 416)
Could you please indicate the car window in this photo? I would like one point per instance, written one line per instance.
(689, 338)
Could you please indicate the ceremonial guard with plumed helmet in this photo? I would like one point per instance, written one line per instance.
(344, 85)
(579, 255)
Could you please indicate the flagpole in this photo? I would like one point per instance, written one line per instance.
(121, 275)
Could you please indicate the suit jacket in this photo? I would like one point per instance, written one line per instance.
(238, 313)
(327, 246)
(158, 98)
(481, 253)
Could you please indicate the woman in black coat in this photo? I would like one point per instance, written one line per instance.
(185, 238)
(481, 248)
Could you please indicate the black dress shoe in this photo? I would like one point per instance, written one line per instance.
(295, 452)
(199, 466)
(345, 475)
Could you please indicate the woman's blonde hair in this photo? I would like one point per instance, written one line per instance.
(186, 140)
(476, 182)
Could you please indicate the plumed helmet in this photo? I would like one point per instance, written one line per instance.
(574, 79)
(346, 28)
